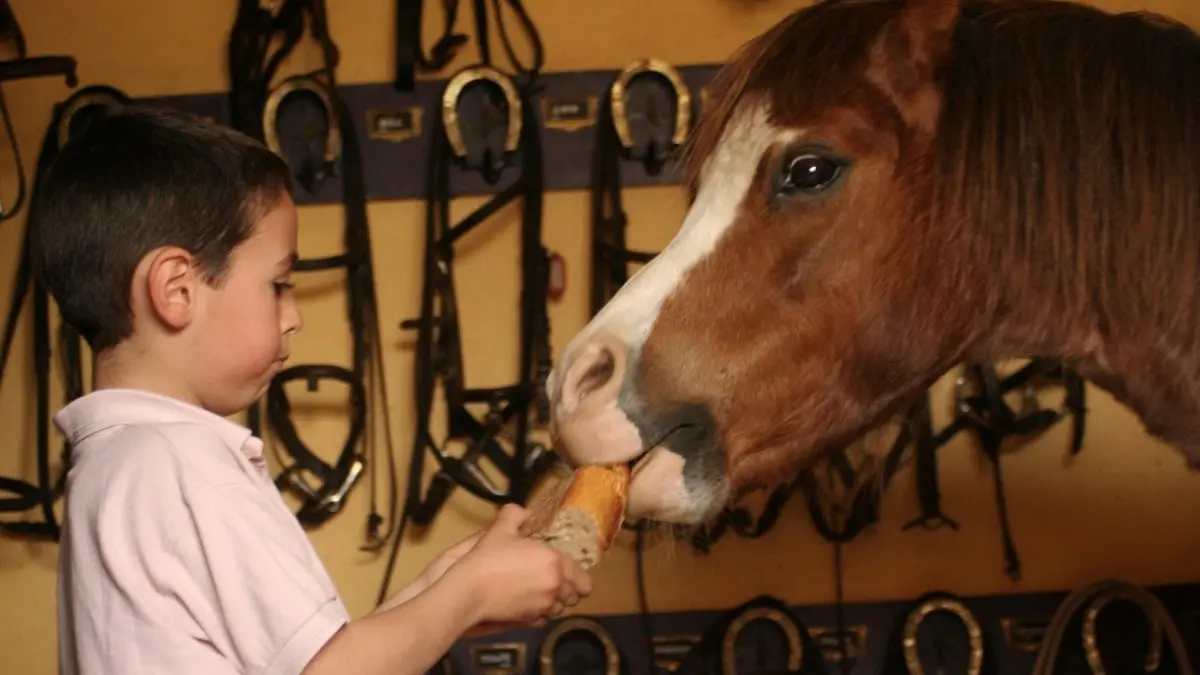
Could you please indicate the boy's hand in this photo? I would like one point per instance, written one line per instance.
(518, 579)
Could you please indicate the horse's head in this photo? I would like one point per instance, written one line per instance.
(768, 328)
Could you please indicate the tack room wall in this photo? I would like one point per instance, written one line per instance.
(1124, 508)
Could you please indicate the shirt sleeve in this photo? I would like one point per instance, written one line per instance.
(277, 602)
(221, 565)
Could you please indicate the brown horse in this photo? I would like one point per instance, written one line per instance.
(884, 189)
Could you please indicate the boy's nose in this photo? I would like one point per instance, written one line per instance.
(293, 322)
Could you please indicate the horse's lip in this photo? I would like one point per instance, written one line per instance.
(640, 459)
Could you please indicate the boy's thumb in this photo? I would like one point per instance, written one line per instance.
(510, 518)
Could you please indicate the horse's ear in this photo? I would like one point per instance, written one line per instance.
(907, 53)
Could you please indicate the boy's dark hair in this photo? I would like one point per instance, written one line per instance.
(134, 180)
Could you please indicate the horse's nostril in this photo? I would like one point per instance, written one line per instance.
(597, 374)
(593, 369)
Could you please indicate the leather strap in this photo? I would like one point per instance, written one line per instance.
(45, 493)
(409, 54)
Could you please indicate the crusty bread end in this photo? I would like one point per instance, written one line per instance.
(585, 515)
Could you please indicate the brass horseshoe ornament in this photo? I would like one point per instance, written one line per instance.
(1091, 647)
(294, 85)
(1093, 598)
(789, 628)
(84, 99)
(942, 604)
(683, 97)
(452, 93)
(579, 624)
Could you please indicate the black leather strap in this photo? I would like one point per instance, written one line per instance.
(325, 499)
(409, 53)
(43, 495)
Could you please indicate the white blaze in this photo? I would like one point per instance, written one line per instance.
(725, 180)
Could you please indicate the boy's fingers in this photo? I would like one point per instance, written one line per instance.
(578, 580)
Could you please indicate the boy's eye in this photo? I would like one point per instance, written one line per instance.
(282, 286)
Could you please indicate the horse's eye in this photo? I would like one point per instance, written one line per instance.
(809, 173)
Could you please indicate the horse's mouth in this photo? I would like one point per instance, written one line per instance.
(641, 459)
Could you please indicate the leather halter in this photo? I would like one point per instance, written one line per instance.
(990, 417)
(45, 493)
(322, 486)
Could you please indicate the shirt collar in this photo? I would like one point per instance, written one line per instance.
(106, 408)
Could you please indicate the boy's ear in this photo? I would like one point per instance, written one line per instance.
(171, 285)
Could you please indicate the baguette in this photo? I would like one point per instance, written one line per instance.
(583, 517)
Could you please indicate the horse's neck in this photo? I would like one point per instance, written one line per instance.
(1156, 377)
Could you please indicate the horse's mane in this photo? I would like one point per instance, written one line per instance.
(1067, 157)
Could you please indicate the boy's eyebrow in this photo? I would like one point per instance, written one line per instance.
(289, 261)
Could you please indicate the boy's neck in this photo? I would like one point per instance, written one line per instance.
(125, 366)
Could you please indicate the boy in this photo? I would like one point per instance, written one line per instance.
(169, 243)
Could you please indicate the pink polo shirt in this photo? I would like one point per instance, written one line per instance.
(178, 554)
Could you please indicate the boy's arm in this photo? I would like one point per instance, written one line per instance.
(407, 639)
(403, 595)
(430, 574)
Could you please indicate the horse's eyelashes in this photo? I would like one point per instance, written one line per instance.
(808, 173)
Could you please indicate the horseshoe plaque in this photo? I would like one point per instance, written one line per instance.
(579, 646)
(620, 90)
(764, 635)
(303, 88)
(79, 109)
(499, 138)
(942, 603)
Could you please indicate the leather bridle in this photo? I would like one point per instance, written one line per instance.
(615, 144)
(438, 355)
(321, 486)
(45, 493)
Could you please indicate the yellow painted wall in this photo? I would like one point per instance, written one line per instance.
(1125, 508)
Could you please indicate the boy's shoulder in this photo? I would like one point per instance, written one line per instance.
(142, 433)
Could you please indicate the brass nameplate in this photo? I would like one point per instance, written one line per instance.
(836, 646)
(394, 124)
(1024, 633)
(569, 114)
(670, 650)
(498, 659)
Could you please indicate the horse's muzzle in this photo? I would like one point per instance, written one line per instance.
(600, 419)
(588, 419)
